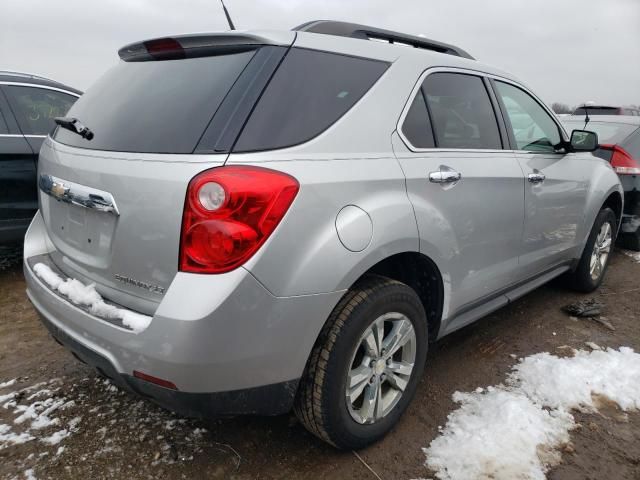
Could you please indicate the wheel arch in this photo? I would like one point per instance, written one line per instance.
(605, 190)
(421, 274)
(614, 202)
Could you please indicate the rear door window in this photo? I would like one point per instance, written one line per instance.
(308, 93)
(533, 128)
(35, 108)
(417, 125)
(161, 106)
(461, 112)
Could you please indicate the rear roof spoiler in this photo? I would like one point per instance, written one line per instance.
(200, 44)
(364, 32)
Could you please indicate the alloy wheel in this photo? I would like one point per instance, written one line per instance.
(601, 250)
(380, 367)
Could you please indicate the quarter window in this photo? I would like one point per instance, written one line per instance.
(417, 126)
(461, 112)
(533, 128)
(35, 108)
(308, 93)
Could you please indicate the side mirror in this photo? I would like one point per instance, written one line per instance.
(584, 141)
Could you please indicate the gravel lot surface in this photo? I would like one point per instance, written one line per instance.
(74, 424)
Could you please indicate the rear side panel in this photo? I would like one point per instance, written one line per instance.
(351, 163)
(305, 254)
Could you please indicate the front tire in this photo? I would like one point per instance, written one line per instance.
(366, 364)
(597, 252)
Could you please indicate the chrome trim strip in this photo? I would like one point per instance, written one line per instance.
(35, 85)
(19, 135)
(468, 71)
(77, 194)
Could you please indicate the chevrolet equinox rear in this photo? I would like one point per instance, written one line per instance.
(250, 222)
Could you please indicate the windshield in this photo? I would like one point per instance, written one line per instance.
(154, 106)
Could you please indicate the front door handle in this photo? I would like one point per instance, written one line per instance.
(536, 177)
(445, 176)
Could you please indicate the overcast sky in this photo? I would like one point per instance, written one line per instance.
(569, 51)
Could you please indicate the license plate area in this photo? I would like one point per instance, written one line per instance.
(80, 233)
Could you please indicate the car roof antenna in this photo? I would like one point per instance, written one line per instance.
(586, 117)
(226, 14)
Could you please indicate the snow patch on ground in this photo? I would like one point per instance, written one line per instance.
(515, 430)
(8, 437)
(634, 255)
(29, 475)
(10, 383)
(44, 424)
(33, 414)
(86, 295)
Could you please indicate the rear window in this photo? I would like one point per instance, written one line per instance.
(608, 132)
(154, 106)
(598, 111)
(308, 93)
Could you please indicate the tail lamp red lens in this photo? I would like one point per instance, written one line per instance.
(229, 213)
(622, 161)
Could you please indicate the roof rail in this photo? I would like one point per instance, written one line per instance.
(22, 74)
(353, 30)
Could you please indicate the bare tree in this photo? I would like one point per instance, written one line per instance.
(558, 107)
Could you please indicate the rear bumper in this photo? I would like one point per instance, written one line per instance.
(227, 343)
(267, 400)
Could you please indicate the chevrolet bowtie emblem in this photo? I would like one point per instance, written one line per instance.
(59, 190)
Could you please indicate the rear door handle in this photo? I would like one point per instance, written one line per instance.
(445, 176)
(536, 177)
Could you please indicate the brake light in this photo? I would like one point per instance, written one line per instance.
(229, 212)
(165, 49)
(622, 161)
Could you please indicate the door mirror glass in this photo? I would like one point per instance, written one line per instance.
(584, 141)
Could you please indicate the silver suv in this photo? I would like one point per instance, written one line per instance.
(250, 222)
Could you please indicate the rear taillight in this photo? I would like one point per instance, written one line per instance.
(622, 161)
(229, 212)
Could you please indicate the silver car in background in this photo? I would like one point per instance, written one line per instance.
(250, 222)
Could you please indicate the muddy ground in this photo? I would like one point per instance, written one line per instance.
(96, 431)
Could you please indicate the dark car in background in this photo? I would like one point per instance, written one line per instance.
(619, 138)
(606, 110)
(28, 105)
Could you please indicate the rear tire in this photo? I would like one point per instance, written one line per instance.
(377, 307)
(596, 255)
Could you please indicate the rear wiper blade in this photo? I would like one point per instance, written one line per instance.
(73, 124)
